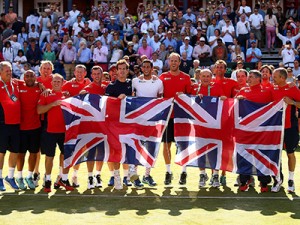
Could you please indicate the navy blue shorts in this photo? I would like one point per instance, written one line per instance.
(30, 140)
(49, 141)
(291, 139)
(168, 135)
(9, 138)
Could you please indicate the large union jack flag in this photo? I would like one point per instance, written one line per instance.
(101, 128)
(238, 136)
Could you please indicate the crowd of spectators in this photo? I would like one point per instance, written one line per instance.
(106, 33)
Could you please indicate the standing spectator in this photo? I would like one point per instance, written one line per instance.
(242, 31)
(147, 24)
(288, 37)
(157, 63)
(244, 9)
(145, 49)
(94, 23)
(100, 55)
(253, 54)
(34, 54)
(86, 30)
(32, 19)
(211, 28)
(33, 34)
(213, 39)
(271, 24)
(296, 69)
(49, 54)
(73, 15)
(67, 57)
(11, 16)
(180, 20)
(127, 26)
(45, 26)
(288, 54)
(77, 26)
(189, 15)
(113, 26)
(256, 22)
(170, 41)
(228, 32)
(185, 63)
(17, 26)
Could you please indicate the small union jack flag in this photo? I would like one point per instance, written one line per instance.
(101, 128)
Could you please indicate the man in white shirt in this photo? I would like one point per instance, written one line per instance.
(73, 15)
(147, 24)
(93, 23)
(146, 87)
(256, 21)
(186, 47)
(32, 19)
(77, 26)
(242, 31)
(155, 44)
(157, 63)
(296, 69)
(228, 32)
(202, 51)
(288, 54)
(244, 9)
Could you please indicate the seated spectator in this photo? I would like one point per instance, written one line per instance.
(213, 39)
(196, 64)
(49, 54)
(127, 26)
(7, 52)
(20, 58)
(228, 32)
(202, 51)
(33, 34)
(239, 65)
(100, 55)
(86, 30)
(237, 54)
(34, 54)
(296, 69)
(155, 44)
(131, 53)
(170, 41)
(186, 47)
(185, 63)
(251, 38)
(113, 26)
(219, 52)
(253, 54)
(290, 77)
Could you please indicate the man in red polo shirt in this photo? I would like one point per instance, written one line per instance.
(45, 77)
(255, 93)
(241, 77)
(266, 73)
(174, 82)
(72, 88)
(30, 127)
(96, 87)
(280, 91)
(10, 115)
(55, 131)
(229, 86)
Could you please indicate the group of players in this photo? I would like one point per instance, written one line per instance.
(31, 118)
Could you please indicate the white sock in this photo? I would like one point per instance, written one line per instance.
(48, 176)
(19, 174)
(117, 173)
(30, 174)
(98, 172)
(64, 176)
(291, 175)
(1, 174)
(183, 169)
(216, 172)
(125, 172)
(90, 174)
(168, 167)
(11, 172)
(75, 172)
(147, 172)
(202, 172)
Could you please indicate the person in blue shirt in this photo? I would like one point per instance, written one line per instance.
(253, 54)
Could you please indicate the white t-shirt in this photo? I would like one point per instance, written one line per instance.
(288, 56)
(94, 25)
(256, 20)
(227, 37)
(147, 88)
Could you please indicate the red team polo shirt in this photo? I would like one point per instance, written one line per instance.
(94, 88)
(73, 87)
(173, 84)
(47, 82)
(10, 112)
(291, 92)
(228, 85)
(214, 90)
(257, 94)
(55, 118)
(29, 97)
(267, 85)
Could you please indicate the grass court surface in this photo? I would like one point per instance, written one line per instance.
(174, 204)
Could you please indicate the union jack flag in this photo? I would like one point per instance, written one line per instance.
(258, 137)
(238, 136)
(101, 128)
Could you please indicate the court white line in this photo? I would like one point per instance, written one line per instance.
(153, 197)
